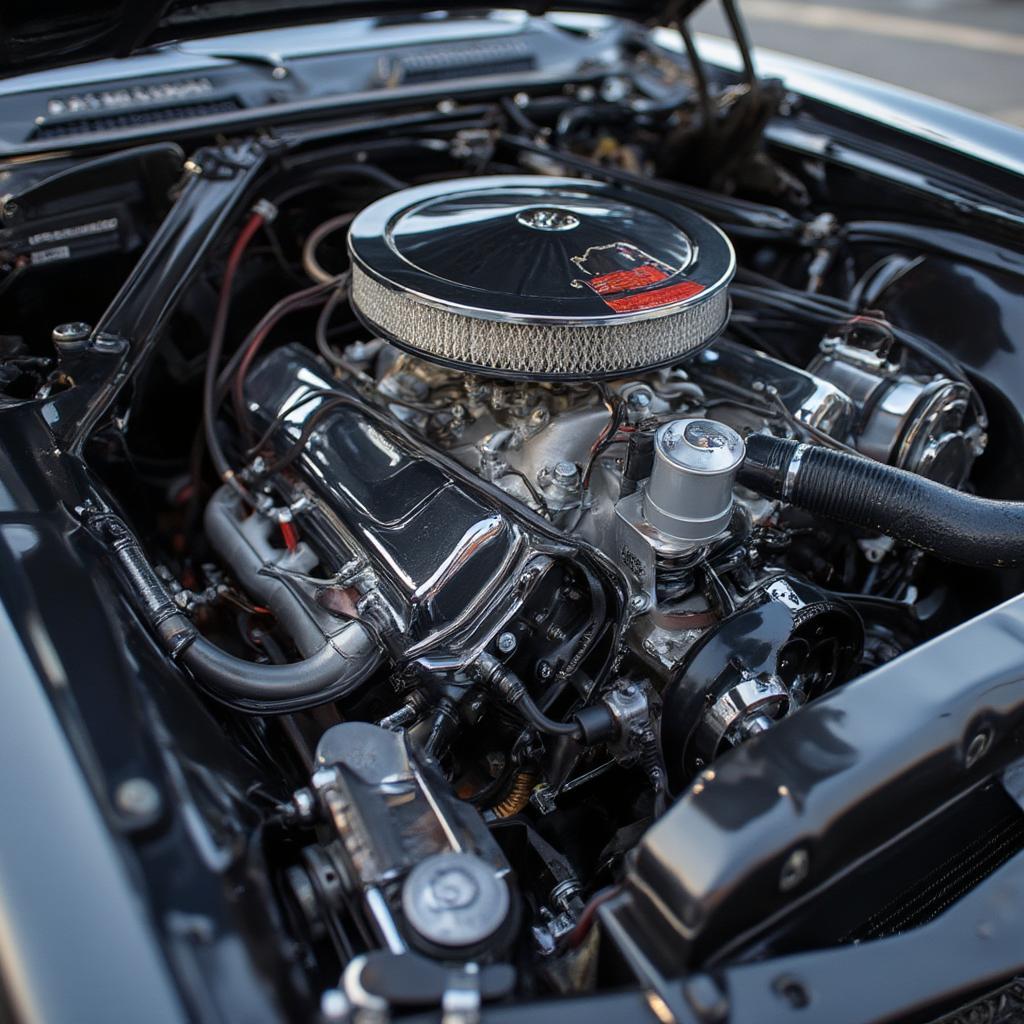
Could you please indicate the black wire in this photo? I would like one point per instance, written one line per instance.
(740, 34)
(534, 493)
(876, 603)
(308, 426)
(310, 296)
(831, 313)
(618, 414)
(744, 275)
(700, 77)
(214, 351)
(324, 346)
(827, 440)
(739, 217)
(279, 255)
(285, 412)
(518, 117)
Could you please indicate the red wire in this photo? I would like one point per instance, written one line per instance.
(289, 304)
(252, 225)
(589, 913)
(290, 534)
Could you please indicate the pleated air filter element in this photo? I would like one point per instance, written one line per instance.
(541, 278)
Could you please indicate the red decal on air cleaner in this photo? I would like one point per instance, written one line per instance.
(627, 280)
(656, 297)
(610, 288)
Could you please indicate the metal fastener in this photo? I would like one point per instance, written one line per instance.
(978, 747)
(71, 337)
(794, 870)
(137, 798)
(566, 472)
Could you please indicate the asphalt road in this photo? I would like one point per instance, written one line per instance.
(969, 52)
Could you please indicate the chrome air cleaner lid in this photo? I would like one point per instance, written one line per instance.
(524, 276)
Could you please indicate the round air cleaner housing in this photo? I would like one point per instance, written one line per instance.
(541, 278)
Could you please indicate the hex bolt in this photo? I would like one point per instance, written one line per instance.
(303, 805)
(137, 798)
(335, 1006)
(978, 747)
(794, 870)
(566, 472)
(792, 990)
(507, 643)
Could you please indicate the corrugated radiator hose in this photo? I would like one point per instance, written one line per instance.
(862, 493)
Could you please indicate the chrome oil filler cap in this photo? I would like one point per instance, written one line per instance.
(689, 494)
(454, 899)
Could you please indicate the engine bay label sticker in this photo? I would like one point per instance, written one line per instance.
(58, 252)
(93, 227)
(611, 287)
(134, 96)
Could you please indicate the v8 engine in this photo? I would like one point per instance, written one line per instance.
(549, 537)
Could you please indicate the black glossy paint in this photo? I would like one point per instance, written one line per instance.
(54, 891)
(128, 714)
(973, 948)
(808, 647)
(92, 30)
(853, 770)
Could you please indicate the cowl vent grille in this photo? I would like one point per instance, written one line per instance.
(133, 119)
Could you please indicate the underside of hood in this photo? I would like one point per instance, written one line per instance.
(37, 34)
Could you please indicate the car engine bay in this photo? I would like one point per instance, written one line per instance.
(492, 476)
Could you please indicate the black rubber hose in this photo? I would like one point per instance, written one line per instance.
(857, 491)
(248, 686)
(740, 217)
(525, 705)
(511, 687)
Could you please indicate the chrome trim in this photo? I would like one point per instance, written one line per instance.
(397, 273)
(792, 470)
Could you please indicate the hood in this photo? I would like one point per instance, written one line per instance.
(38, 34)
